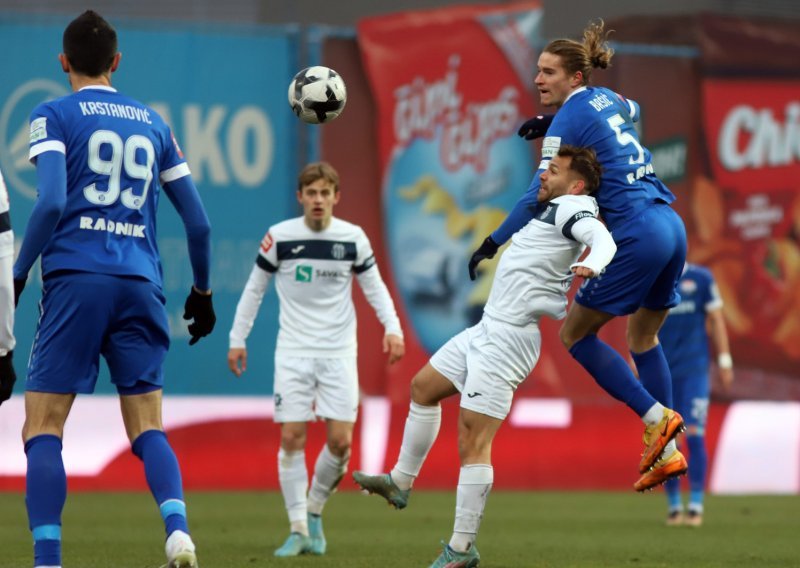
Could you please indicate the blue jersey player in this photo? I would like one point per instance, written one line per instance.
(651, 242)
(684, 337)
(101, 160)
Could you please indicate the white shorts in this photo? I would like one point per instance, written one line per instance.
(487, 362)
(309, 387)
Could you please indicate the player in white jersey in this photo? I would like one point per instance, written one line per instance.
(7, 375)
(313, 259)
(487, 362)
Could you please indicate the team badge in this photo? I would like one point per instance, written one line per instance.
(688, 286)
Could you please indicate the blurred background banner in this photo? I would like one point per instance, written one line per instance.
(430, 164)
(223, 92)
(451, 87)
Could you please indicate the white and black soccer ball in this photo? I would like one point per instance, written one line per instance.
(317, 94)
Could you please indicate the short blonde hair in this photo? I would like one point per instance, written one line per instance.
(317, 170)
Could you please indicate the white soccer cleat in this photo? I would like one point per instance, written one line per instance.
(180, 551)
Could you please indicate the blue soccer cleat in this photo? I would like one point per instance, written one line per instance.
(384, 486)
(318, 543)
(449, 558)
(295, 545)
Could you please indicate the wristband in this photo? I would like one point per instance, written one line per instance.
(725, 361)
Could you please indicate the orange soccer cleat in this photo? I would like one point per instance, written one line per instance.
(657, 436)
(664, 469)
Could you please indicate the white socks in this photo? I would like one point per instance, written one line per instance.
(474, 483)
(654, 415)
(293, 477)
(422, 427)
(328, 472)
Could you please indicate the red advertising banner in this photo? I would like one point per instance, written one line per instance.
(747, 216)
(451, 88)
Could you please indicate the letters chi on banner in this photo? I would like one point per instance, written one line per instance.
(747, 216)
(452, 87)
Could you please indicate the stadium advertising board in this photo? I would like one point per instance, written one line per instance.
(238, 136)
(451, 88)
(747, 216)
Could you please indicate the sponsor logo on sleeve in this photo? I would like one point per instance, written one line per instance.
(550, 146)
(266, 243)
(38, 129)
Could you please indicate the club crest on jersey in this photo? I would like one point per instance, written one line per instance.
(303, 273)
(338, 251)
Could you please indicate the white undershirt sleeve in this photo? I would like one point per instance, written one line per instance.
(594, 234)
(247, 308)
(378, 297)
(7, 341)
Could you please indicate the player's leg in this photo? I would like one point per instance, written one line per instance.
(295, 389)
(499, 359)
(135, 347)
(330, 467)
(440, 378)
(141, 413)
(672, 487)
(46, 480)
(53, 379)
(696, 442)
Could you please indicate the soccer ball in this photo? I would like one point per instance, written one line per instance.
(317, 94)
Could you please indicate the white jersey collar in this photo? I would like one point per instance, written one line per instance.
(98, 88)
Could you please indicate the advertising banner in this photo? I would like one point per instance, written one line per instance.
(747, 216)
(451, 88)
(223, 92)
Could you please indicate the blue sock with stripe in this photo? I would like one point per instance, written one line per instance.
(45, 496)
(164, 478)
(654, 373)
(612, 373)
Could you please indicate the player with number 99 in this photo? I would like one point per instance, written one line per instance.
(101, 161)
(642, 279)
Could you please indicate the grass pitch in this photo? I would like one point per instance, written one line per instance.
(520, 529)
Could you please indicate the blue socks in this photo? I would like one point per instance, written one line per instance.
(654, 374)
(45, 496)
(697, 467)
(612, 373)
(697, 477)
(164, 477)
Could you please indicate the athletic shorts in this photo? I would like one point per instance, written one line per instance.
(690, 394)
(651, 253)
(83, 315)
(309, 387)
(487, 362)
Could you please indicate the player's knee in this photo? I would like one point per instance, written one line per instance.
(567, 336)
(339, 446)
(292, 440)
(421, 392)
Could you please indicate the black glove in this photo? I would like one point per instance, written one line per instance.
(199, 308)
(487, 249)
(7, 376)
(535, 127)
(19, 286)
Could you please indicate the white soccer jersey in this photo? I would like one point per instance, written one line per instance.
(6, 280)
(314, 278)
(533, 275)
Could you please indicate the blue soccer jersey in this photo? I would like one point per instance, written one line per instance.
(118, 152)
(601, 119)
(683, 335)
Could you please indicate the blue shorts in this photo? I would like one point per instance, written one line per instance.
(651, 252)
(84, 315)
(690, 398)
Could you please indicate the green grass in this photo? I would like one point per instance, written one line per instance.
(520, 529)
